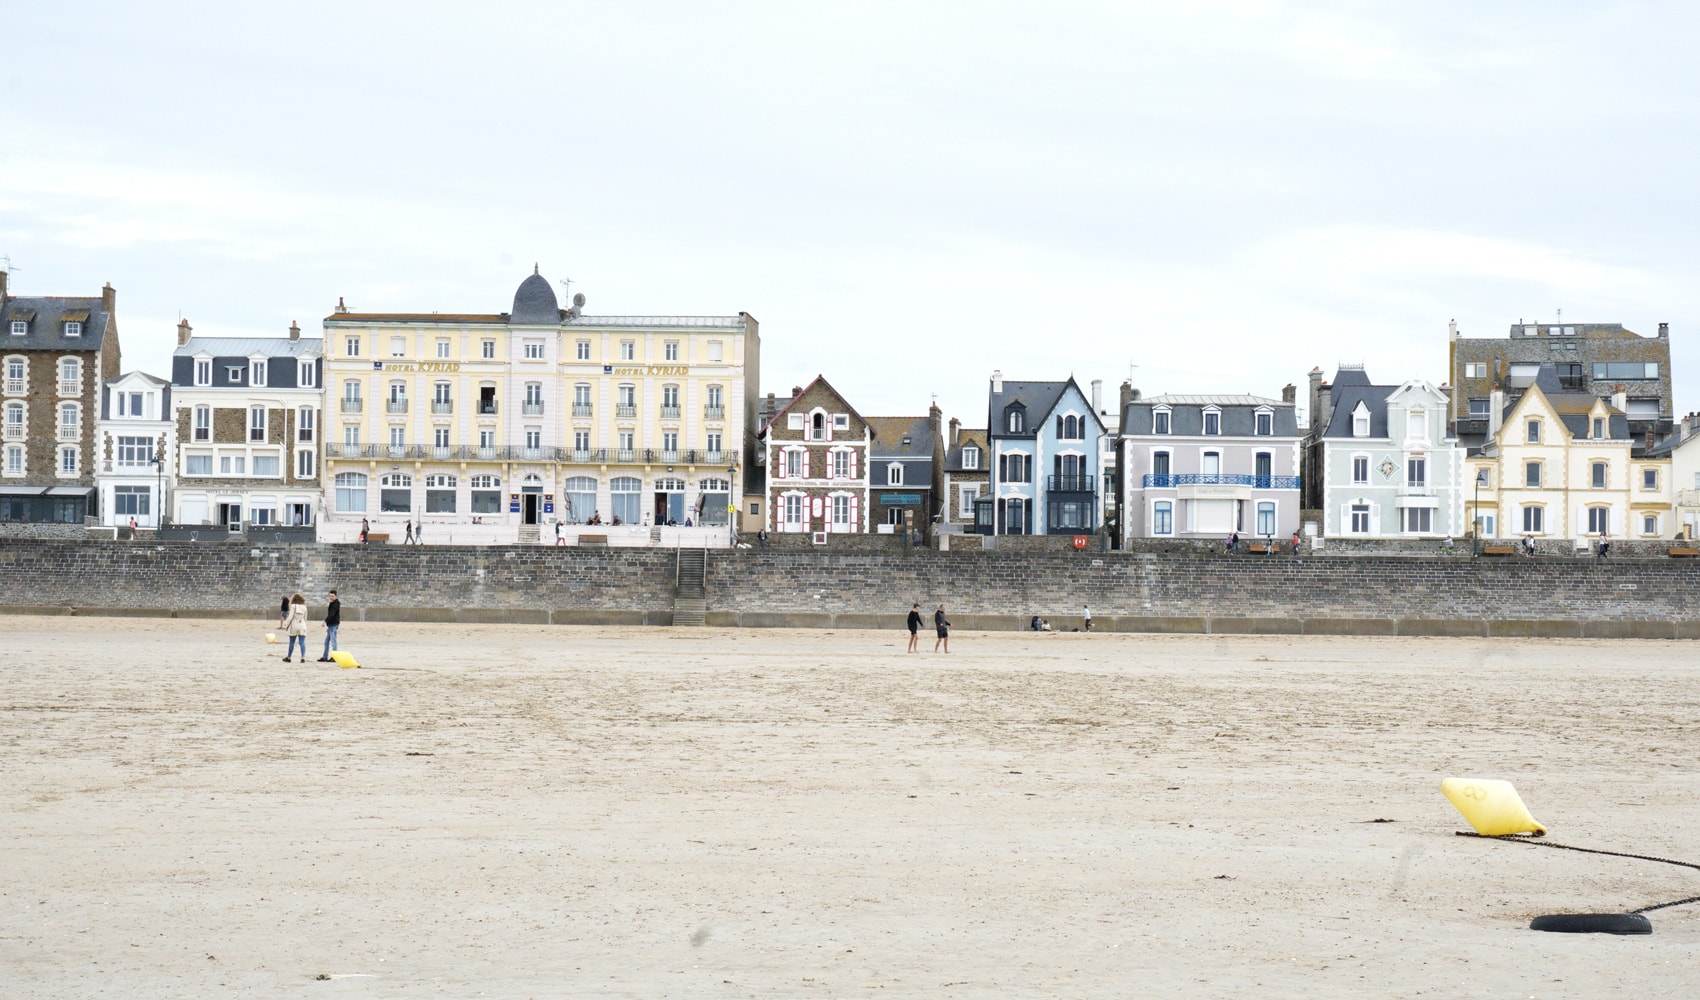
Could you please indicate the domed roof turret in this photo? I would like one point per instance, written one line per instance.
(535, 302)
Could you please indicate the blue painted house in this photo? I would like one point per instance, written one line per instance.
(1046, 460)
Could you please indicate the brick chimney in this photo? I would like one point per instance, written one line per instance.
(183, 333)
(294, 331)
(1289, 393)
(955, 432)
(1128, 394)
(109, 299)
(339, 306)
(3, 277)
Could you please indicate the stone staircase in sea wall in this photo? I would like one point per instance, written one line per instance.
(690, 597)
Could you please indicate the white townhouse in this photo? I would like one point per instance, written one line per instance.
(135, 449)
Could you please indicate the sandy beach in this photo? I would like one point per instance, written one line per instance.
(563, 812)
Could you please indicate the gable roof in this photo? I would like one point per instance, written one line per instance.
(820, 379)
(953, 456)
(1040, 400)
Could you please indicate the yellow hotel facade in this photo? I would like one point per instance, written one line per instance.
(494, 427)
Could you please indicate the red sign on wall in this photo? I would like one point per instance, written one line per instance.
(1080, 542)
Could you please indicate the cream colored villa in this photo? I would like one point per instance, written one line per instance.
(494, 427)
(1563, 465)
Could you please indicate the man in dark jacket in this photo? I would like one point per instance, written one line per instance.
(915, 627)
(333, 619)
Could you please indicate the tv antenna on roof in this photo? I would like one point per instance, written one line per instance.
(8, 268)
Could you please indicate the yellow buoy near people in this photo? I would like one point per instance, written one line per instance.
(1492, 806)
(271, 638)
(347, 662)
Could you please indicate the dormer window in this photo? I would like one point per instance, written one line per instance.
(1360, 421)
(817, 428)
(970, 457)
(234, 374)
(257, 373)
(1265, 423)
(19, 328)
(73, 329)
(894, 474)
(306, 374)
(1016, 422)
(1212, 421)
(1599, 427)
(1160, 421)
(203, 371)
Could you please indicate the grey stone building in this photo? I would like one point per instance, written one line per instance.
(1596, 359)
(56, 353)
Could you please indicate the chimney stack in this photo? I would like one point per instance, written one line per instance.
(294, 331)
(955, 432)
(997, 381)
(1289, 393)
(1664, 331)
(339, 306)
(1496, 409)
(1098, 395)
(3, 277)
(1619, 398)
(1128, 394)
(109, 299)
(1452, 329)
(796, 391)
(183, 333)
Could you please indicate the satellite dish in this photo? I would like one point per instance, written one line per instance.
(578, 300)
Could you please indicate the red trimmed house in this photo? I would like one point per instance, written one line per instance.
(815, 448)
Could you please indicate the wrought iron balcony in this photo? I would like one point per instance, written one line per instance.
(442, 406)
(486, 407)
(625, 411)
(531, 409)
(625, 456)
(1071, 484)
(669, 412)
(714, 412)
(353, 405)
(582, 409)
(1162, 482)
(396, 406)
(587, 456)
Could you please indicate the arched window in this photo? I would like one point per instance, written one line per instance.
(440, 494)
(1016, 422)
(396, 493)
(626, 492)
(578, 494)
(894, 474)
(817, 427)
(351, 492)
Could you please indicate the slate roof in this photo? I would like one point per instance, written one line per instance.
(1346, 402)
(47, 329)
(953, 456)
(1039, 398)
(1186, 415)
(535, 302)
(247, 347)
(889, 433)
(155, 379)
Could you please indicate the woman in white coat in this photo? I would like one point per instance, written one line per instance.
(296, 626)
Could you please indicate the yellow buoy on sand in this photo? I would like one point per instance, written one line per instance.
(347, 662)
(271, 638)
(1492, 806)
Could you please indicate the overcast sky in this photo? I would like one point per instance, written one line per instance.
(907, 196)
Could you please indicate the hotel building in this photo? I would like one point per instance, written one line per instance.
(477, 424)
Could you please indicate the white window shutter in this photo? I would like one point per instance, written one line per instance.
(1375, 519)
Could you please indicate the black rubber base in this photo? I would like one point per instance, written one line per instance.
(1593, 923)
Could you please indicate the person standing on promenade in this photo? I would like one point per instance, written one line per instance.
(408, 538)
(365, 531)
(559, 541)
(915, 627)
(1086, 616)
(333, 621)
(1295, 542)
(419, 533)
(296, 626)
(943, 629)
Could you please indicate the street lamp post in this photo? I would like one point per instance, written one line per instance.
(1476, 516)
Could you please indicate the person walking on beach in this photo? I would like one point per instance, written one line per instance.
(296, 625)
(283, 611)
(915, 627)
(943, 629)
(1086, 616)
(333, 621)
(365, 531)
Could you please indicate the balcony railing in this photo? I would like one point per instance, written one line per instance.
(1163, 482)
(70, 388)
(353, 405)
(669, 412)
(625, 456)
(396, 406)
(1071, 484)
(714, 457)
(16, 432)
(586, 456)
(671, 457)
(442, 406)
(14, 386)
(625, 411)
(581, 409)
(712, 412)
(486, 407)
(531, 409)
(68, 432)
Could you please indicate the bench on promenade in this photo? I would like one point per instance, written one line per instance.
(378, 536)
(593, 540)
(1499, 550)
(1684, 552)
(1263, 549)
